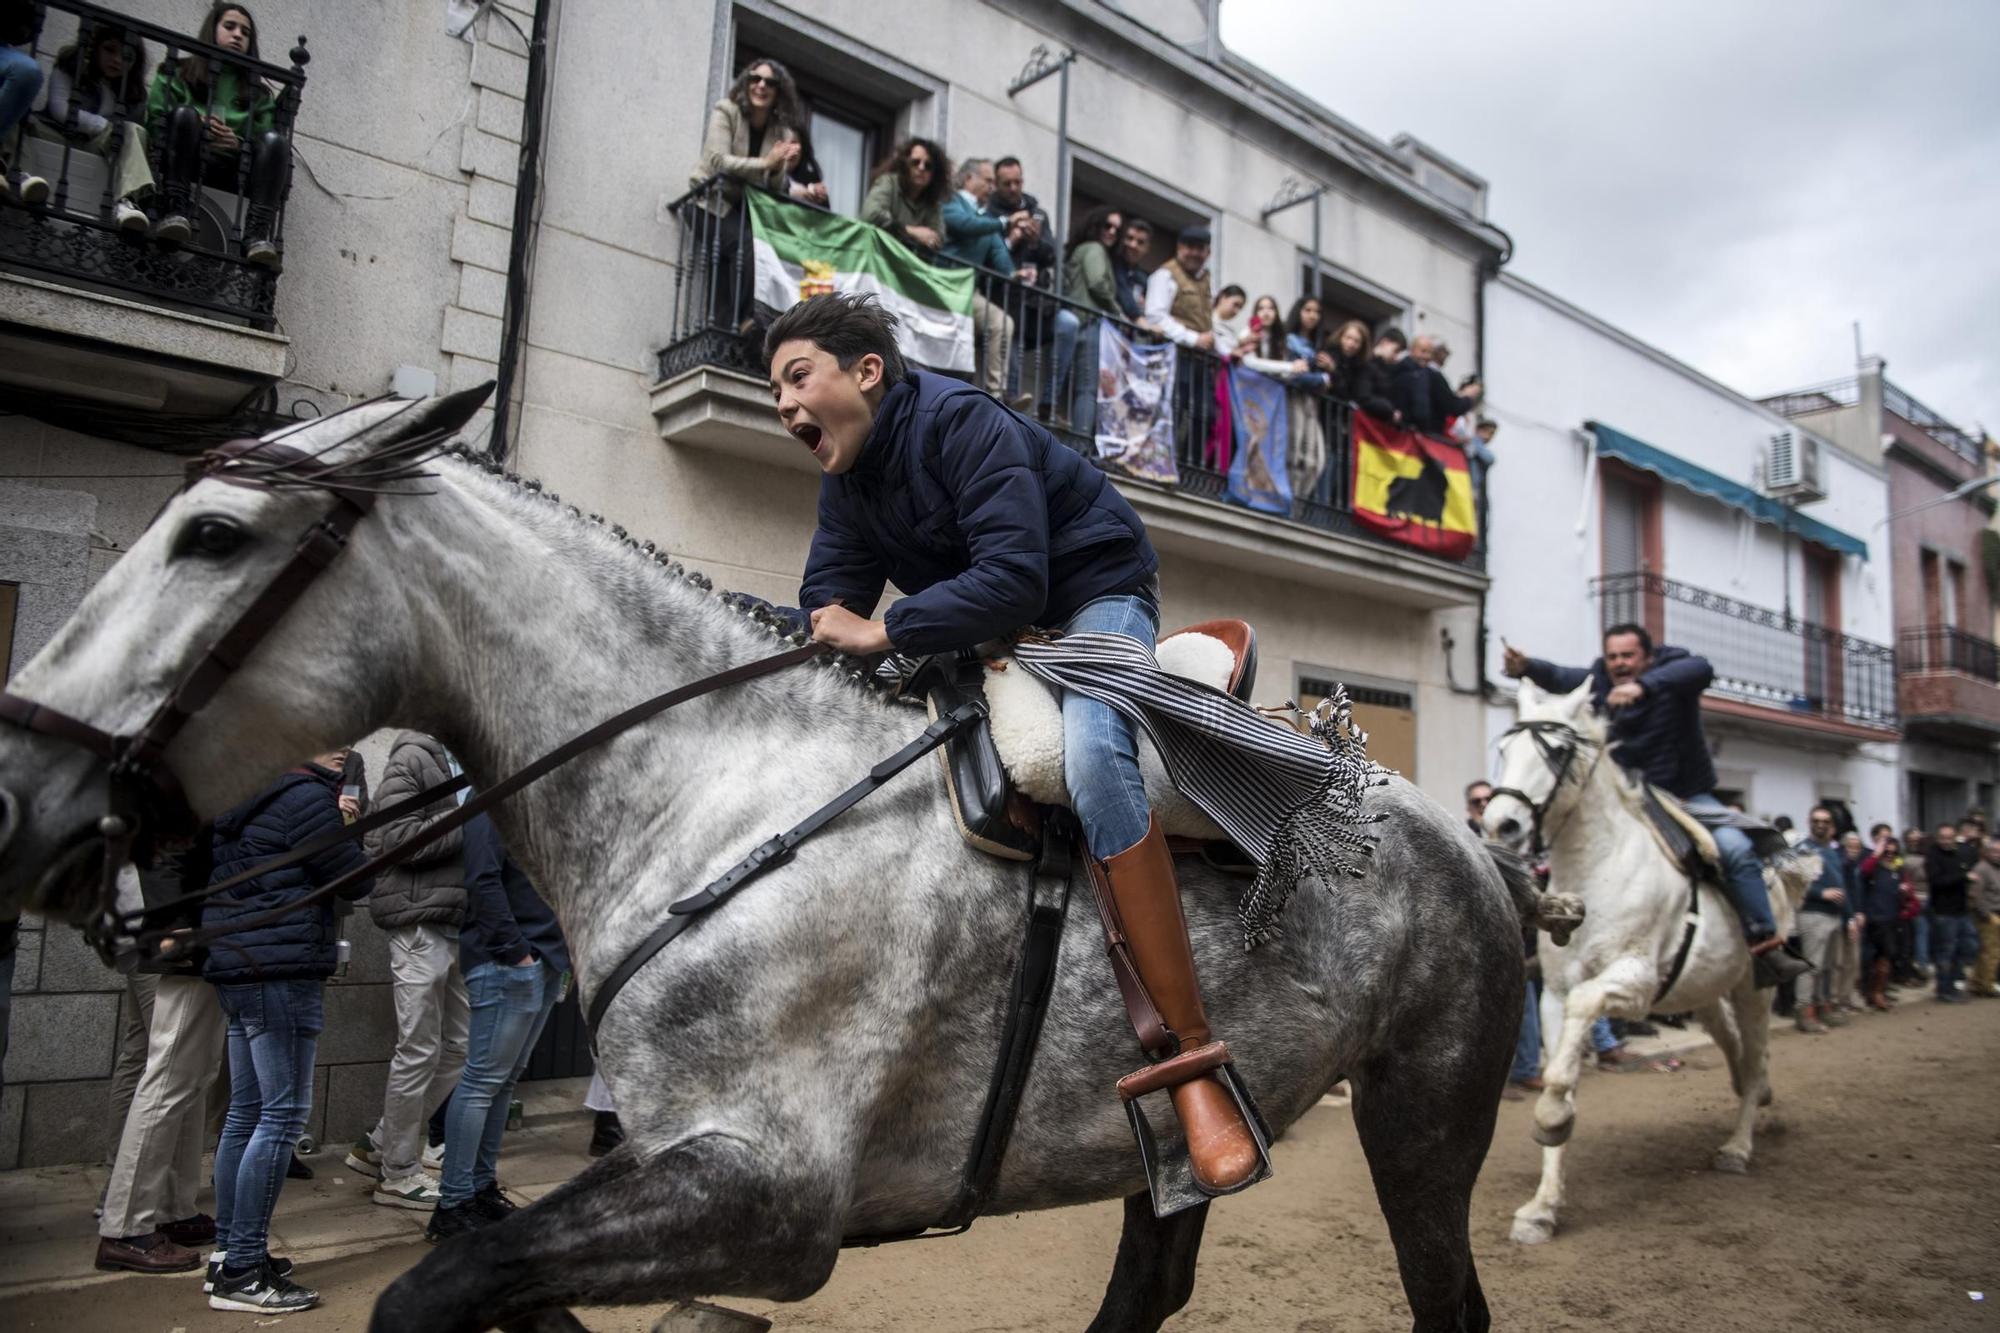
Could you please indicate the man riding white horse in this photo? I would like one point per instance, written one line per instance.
(1654, 701)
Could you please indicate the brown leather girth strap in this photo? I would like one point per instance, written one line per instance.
(1155, 1038)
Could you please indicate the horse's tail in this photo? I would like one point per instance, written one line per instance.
(1558, 914)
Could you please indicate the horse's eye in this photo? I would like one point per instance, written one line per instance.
(213, 537)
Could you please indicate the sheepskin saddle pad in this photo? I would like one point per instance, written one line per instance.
(998, 772)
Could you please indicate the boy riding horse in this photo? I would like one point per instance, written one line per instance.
(990, 525)
(1654, 699)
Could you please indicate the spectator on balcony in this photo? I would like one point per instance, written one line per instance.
(1436, 403)
(1264, 347)
(20, 83)
(209, 117)
(1305, 338)
(1392, 379)
(972, 236)
(753, 139)
(804, 179)
(97, 101)
(1088, 276)
(1178, 303)
(907, 196)
(1129, 271)
(1043, 323)
(1351, 372)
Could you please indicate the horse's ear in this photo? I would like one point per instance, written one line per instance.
(1528, 695)
(1578, 699)
(427, 419)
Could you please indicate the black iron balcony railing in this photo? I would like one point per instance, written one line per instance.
(1054, 367)
(1847, 393)
(110, 186)
(1760, 656)
(1942, 648)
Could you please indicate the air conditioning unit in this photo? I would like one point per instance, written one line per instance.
(1791, 467)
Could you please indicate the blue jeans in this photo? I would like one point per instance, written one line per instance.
(1602, 1038)
(1528, 1046)
(20, 80)
(1101, 744)
(1055, 386)
(509, 1006)
(1083, 382)
(274, 1027)
(1921, 934)
(1954, 943)
(1742, 873)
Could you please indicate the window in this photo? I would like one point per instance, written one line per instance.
(1095, 181)
(845, 149)
(1344, 296)
(1388, 715)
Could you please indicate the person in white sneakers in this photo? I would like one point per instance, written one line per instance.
(420, 905)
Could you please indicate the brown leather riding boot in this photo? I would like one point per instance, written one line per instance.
(1222, 1151)
(1878, 984)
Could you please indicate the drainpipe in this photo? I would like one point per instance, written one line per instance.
(520, 246)
(1489, 269)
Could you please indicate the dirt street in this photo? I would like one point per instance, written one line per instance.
(1876, 1208)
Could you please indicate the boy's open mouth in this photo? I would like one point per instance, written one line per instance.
(808, 435)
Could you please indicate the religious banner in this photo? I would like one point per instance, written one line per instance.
(1259, 475)
(1413, 489)
(1135, 405)
(805, 252)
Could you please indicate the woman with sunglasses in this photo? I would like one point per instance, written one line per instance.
(906, 198)
(753, 138)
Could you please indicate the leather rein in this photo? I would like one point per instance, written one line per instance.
(1559, 758)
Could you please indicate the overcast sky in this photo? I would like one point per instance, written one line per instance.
(1736, 183)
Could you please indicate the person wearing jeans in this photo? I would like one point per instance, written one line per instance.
(20, 82)
(516, 969)
(269, 975)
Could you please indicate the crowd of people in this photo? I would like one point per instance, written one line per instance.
(477, 963)
(1039, 353)
(198, 120)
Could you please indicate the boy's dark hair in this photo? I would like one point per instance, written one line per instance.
(846, 326)
(1394, 335)
(1627, 627)
(1232, 290)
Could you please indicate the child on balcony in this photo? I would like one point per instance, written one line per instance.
(206, 115)
(97, 95)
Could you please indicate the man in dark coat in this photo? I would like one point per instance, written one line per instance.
(990, 525)
(1654, 699)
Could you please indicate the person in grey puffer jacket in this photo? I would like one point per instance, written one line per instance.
(420, 905)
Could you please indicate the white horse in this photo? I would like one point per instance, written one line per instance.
(1637, 914)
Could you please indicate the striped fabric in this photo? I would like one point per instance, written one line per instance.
(1291, 802)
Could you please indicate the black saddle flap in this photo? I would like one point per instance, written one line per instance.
(973, 772)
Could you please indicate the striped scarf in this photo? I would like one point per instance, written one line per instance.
(1292, 802)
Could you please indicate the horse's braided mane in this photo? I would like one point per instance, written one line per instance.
(850, 669)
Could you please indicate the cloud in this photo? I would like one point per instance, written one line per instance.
(1735, 183)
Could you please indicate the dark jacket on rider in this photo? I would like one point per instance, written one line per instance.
(986, 520)
(1661, 735)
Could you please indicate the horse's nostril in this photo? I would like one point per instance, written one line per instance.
(1509, 828)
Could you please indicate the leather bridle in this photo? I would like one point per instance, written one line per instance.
(1558, 754)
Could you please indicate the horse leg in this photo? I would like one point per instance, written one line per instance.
(714, 1214)
(1154, 1273)
(1425, 1118)
(1749, 1025)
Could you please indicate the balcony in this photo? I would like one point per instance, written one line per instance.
(94, 304)
(1772, 671)
(1949, 682)
(712, 393)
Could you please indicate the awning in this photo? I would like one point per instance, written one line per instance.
(1626, 449)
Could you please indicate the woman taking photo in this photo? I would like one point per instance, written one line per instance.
(216, 124)
(97, 97)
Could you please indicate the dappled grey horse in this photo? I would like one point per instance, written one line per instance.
(808, 1062)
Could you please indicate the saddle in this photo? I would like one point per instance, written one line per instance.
(1685, 839)
(1002, 770)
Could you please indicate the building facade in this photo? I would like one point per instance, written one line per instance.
(1940, 507)
(1630, 487)
(415, 258)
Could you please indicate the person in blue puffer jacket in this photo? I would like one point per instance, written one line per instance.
(270, 975)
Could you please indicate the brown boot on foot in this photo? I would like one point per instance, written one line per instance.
(1223, 1152)
(150, 1253)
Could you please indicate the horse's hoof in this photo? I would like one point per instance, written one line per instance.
(1734, 1163)
(701, 1317)
(1532, 1231)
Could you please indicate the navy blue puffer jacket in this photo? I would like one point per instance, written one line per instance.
(301, 805)
(986, 520)
(1661, 735)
